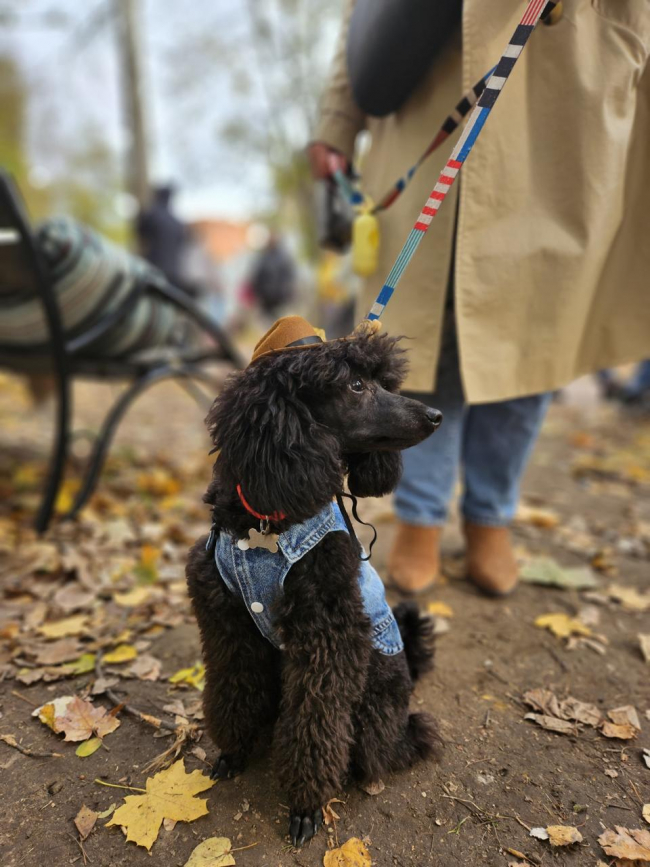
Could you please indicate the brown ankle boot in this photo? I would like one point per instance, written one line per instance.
(414, 562)
(491, 562)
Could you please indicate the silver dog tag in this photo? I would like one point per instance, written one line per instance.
(256, 539)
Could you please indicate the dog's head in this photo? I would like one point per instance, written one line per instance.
(290, 426)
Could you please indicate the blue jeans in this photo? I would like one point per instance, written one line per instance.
(489, 443)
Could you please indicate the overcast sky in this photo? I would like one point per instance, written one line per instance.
(72, 70)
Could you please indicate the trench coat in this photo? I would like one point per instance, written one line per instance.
(552, 260)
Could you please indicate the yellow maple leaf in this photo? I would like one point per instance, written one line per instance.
(563, 835)
(350, 854)
(169, 795)
(562, 625)
(214, 852)
(195, 676)
(122, 653)
(63, 628)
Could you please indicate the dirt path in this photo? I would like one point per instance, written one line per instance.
(499, 775)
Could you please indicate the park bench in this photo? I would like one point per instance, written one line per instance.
(74, 306)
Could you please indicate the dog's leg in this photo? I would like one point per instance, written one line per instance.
(242, 685)
(388, 737)
(324, 668)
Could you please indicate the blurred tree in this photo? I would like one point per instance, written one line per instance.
(13, 135)
(266, 65)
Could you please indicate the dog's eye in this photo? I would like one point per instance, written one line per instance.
(356, 385)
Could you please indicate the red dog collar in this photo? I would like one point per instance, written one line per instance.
(274, 517)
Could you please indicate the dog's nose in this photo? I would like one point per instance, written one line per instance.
(435, 417)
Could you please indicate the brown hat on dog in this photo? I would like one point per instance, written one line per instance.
(290, 332)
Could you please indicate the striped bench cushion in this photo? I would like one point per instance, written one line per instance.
(91, 278)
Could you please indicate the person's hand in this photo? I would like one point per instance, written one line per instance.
(324, 160)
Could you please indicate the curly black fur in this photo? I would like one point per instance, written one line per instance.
(288, 429)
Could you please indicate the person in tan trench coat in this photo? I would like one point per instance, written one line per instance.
(543, 244)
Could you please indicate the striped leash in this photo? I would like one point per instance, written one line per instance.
(450, 124)
(534, 11)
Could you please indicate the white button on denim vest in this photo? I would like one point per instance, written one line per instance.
(257, 577)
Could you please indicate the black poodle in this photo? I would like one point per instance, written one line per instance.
(295, 628)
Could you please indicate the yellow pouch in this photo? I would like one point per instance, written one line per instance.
(365, 244)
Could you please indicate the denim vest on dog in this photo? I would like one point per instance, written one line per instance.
(257, 577)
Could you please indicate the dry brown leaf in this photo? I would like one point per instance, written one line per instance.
(82, 720)
(65, 650)
(145, 667)
(563, 835)
(633, 844)
(622, 732)
(553, 724)
(85, 821)
(72, 597)
(353, 853)
(570, 708)
(646, 813)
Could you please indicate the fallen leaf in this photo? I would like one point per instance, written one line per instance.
(622, 732)
(82, 720)
(122, 653)
(577, 642)
(87, 748)
(108, 812)
(644, 643)
(169, 794)
(134, 598)
(85, 821)
(72, 597)
(83, 665)
(625, 715)
(629, 597)
(561, 625)
(546, 571)
(146, 667)
(440, 609)
(353, 853)
(646, 813)
(214, 852)
(624, 843)
(102, 684)
(552, 724)
(65, 650)
(195, 676)
(569, 709)
(64, 628)
(49, 711)
(539, 833)
(610, 772)
(545, 518)
(563, 835)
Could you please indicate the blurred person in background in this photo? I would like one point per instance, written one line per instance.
(635, 392)
(162, 237)
(535, 270)
(273, 278)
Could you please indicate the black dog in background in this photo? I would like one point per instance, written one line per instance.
(288, 430)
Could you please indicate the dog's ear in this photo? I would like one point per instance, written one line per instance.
(374, 474)
(270, 444)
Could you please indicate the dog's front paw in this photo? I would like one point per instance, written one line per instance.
(227, 767)
(303, 827)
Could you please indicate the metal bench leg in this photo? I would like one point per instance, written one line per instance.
(112, 420)
(59, 455)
